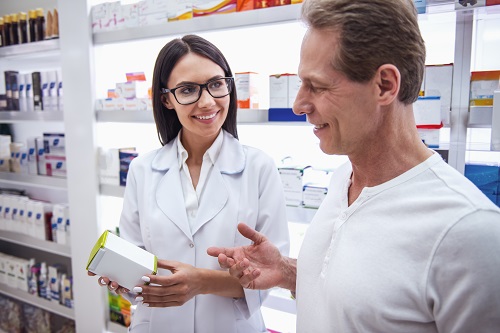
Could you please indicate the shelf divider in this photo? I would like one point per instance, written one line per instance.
(34, 300)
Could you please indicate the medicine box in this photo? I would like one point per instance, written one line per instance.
(180, 10)
(247, 89)
(121, 261)
(283, 89)
(438, 81)
(292, 180)
(464, 4)
(482, 86)
(427, 110)
(486, 178)
(210, 7)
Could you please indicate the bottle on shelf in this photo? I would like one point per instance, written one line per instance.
(6, 29)
(2, 38)
(40, 24)
(55, 24)
(32, 25)
(23, 28)
(14, 29)
(48, 26)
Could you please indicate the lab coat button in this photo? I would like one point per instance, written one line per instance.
(191, 245)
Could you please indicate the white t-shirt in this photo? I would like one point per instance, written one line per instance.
(419, 253)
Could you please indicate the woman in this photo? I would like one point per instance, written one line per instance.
(192, 193)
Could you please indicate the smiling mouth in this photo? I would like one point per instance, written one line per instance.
(210, 116)
(319, 126)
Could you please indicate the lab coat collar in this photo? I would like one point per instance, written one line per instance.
(231, 159)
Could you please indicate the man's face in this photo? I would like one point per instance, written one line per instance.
(342, 111)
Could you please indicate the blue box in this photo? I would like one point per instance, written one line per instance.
(286, 114)
(486, 178)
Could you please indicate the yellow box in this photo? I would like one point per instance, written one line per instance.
(121, 261)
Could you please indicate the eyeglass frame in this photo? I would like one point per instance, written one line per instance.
(202, 86)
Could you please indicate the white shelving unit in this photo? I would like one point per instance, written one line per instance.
(202, 24)
(35, 243)
(32, 180)
(74, 51)
(50, 306)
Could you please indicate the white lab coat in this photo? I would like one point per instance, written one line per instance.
(243, 186)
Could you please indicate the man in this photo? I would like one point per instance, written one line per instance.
(402, 242)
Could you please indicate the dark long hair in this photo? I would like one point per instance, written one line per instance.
(167, 122)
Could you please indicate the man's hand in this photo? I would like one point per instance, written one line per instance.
(257, 266)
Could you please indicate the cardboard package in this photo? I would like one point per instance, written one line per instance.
(121, 261)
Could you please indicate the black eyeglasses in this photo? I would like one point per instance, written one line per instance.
(191, 93)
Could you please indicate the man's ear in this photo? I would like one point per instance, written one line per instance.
(388, 79)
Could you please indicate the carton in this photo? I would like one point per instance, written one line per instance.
(121, 261)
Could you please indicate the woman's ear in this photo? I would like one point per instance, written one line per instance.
(166, 102)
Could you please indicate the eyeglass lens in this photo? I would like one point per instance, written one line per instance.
(188, 94)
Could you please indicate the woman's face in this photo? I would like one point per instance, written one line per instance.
(202, 119)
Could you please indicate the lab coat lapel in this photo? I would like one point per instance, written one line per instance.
(216, 195)
(231, 160)
(169, 197)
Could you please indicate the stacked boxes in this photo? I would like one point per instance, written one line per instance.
(283, 89)
(113, 168)
(54, 154)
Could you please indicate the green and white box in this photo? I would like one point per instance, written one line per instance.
(121, 261)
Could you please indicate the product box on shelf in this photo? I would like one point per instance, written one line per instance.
(60, 224)
(109, 165)
(482, 86)
(495, 122)
(179, 10)
(126, 156)
(40, 219)
(248, 89)
(293, 183)
(492, 2)
(314, 194)
(278, 91)
(285, 114)
(486, 178)
(106, 16)
(210, 7)
(22, 269)
(129, 16)
(438, 81)
(427, 110)
(121, 260)
(461, 4)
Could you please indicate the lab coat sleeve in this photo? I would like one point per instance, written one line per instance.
(463, 289)
(129, 225)
(272, 222)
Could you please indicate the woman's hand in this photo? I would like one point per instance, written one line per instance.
(184, 283)
(112, 285)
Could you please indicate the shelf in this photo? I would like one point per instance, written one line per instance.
(35, 116)
(30, 49)
(122, 116)
(203, 24)
(112, 190)
(244, 116)
(33, 180)
(280, 299)
(35, 243)
(50, 306)
(116, 328)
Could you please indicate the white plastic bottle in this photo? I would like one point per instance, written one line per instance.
(43, 282)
